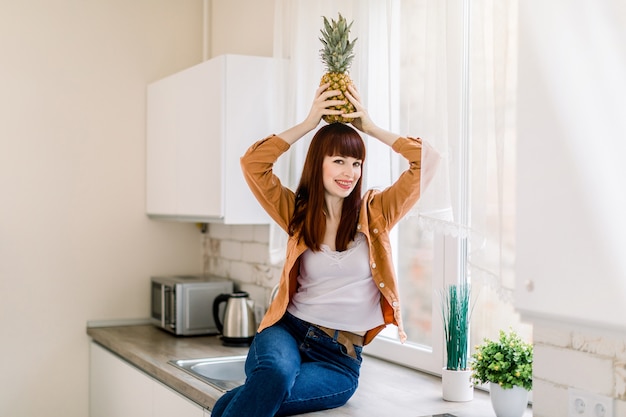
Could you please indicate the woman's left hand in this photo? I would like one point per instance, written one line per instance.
(322, 105)
(362, 121)
(360, 118)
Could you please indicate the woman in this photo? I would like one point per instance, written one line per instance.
(337, 290)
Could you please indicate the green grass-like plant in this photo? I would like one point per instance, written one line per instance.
(507, 362)
(455, 311)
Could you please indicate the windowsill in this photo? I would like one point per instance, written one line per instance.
(390, 389)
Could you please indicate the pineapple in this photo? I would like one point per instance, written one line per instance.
(337, 57)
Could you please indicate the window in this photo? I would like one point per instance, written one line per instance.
(457, 73)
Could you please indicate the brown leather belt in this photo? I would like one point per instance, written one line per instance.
(346, 339)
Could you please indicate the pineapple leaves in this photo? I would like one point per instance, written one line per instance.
(337, 53)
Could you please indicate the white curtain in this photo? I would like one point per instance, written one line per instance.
(429, 105)
(380, 74)
(493, 68)
(409, 68)
(459, 85)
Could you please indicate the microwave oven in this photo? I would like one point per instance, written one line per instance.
(183, 304)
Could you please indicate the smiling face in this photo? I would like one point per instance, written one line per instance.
(329, 192)
(340, 175)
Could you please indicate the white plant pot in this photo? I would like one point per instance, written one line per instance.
(508, 402)
(457, 385)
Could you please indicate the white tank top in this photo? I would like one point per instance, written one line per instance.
(336, 289)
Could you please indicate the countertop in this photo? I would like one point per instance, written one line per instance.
(384, 388)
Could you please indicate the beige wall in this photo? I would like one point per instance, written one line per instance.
(75, 244)
(242, 27)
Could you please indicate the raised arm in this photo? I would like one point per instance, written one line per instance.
(363, 122)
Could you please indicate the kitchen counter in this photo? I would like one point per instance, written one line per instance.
(384, 388)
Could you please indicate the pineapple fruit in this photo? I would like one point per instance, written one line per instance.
(337, 56)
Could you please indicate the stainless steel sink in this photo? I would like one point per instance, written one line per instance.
(223, 373)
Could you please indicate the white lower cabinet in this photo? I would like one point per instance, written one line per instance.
(168, 403)
(117, 389)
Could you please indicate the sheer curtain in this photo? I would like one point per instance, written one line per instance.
(379, 72)
(493, 67)
(493, 88)
(415, 80)
(459, 87)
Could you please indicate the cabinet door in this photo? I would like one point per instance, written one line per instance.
(116, 388)
(184, 143)
(570, 263)
(200, 121)
(253, 111)
(168, 403)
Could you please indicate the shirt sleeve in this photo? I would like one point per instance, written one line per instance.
(396, 200)
(257, 165)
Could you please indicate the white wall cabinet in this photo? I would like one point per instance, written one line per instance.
(117, 389)
(200, 121)
(570, 148)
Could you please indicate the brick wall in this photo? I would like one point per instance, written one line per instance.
(572, 356)
(240, 253)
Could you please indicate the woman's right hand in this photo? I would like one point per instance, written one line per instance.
(360, 117)
(362, 121)
(321, 104)
(319, 108)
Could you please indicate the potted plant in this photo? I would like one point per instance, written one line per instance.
(506, 364)
(455, 312)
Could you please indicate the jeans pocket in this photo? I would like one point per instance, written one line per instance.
(358, 350)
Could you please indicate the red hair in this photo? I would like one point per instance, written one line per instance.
(308, 217)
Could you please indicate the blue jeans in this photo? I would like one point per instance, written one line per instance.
(292, 368)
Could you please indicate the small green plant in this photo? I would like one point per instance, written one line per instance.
(507, 361)
(455, 312)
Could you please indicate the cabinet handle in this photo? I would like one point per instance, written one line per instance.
(530, 285)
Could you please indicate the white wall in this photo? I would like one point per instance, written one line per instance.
(571, 222)
(571, 147)
(75, 244)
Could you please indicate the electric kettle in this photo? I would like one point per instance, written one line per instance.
(239, 325)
